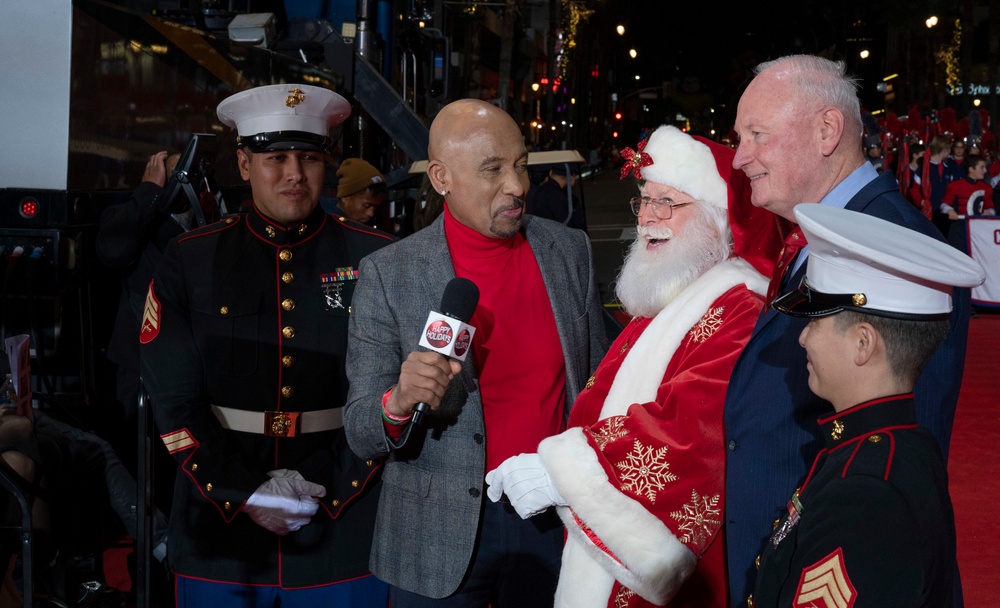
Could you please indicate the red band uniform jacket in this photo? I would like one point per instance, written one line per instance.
(251, 315)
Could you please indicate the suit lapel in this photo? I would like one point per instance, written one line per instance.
(543, 246)
(433, 262)
(884, 183)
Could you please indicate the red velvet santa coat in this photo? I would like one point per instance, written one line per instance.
(642, 467)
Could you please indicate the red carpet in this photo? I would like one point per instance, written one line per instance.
(974, 464)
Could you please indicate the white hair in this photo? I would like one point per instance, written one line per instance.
(822, 81)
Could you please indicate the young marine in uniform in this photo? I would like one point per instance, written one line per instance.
(872, 523)
(244, 337)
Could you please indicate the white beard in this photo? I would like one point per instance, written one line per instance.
(649, 280)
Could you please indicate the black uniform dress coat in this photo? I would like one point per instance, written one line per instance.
(875, 523)
(248, 314)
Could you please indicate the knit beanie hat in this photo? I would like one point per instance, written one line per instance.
(354, 175)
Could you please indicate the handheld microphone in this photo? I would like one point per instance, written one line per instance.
(448, 332)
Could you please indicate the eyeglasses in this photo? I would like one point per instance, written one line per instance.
(662, 208)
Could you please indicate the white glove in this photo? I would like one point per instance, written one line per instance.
(284, 503)
(526, 483)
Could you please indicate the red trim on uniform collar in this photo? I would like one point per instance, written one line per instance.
(863, 405)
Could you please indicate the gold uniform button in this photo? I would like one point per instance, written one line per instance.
(335, 502)
(288, 360)
(355, 483)
(288, 332)
(208, 487)
(285, 255)
(287, 391)
(369, 462)
(194, 467)
(590, 381)
(227, 505)
(287, 277)
(288, 304)
(875, 439)
(757, 562)
(224, 310)
(341, 218)
(230, 220)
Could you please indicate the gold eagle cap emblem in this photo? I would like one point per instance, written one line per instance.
(295, 97)
(859, 299)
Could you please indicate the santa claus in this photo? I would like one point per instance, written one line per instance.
(638, 478)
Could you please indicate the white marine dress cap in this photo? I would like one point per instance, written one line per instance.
(862, 263)
(284, 117)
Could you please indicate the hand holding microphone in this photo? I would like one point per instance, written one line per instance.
(425, 375)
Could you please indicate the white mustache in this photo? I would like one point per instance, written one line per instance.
(654, 232)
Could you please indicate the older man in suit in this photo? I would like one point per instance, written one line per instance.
(799, 124)
(540, 334)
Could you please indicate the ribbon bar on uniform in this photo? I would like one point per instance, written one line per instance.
(279, 424)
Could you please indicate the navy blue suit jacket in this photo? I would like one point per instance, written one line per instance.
(770, 415)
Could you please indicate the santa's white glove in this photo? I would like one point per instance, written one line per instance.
(284, 503)
(526, 483)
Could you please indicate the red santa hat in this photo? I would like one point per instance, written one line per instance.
(681, 161)
(673, 158)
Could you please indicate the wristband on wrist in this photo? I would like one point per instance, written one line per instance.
(389, 417)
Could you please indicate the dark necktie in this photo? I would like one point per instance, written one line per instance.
(793, 243)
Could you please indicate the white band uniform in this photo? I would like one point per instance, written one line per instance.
(279, 424)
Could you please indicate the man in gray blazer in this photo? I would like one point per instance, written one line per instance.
(539, 334)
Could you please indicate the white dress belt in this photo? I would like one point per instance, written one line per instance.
(279, 424)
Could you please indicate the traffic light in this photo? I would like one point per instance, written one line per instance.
(618, 115)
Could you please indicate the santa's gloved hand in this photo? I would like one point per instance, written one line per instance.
(526, 483)
(284, 503)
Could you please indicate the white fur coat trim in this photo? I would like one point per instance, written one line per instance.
(653, 563)
(641, 373)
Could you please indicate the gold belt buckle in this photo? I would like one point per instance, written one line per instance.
(281, 424)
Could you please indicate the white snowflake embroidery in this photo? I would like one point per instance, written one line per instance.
(611, 429)
(704, 328)
(698, 519)
(645, 471)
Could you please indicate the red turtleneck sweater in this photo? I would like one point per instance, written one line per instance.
(522, 371)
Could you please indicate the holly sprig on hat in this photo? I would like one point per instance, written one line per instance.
(635, 160)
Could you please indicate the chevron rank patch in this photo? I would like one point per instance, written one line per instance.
(825, 584)
(150, 327)
(178, 440)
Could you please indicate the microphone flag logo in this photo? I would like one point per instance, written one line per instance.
(462, 342)
(447, 335)
(439, 334)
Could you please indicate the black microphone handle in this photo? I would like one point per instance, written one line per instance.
(418, 412)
